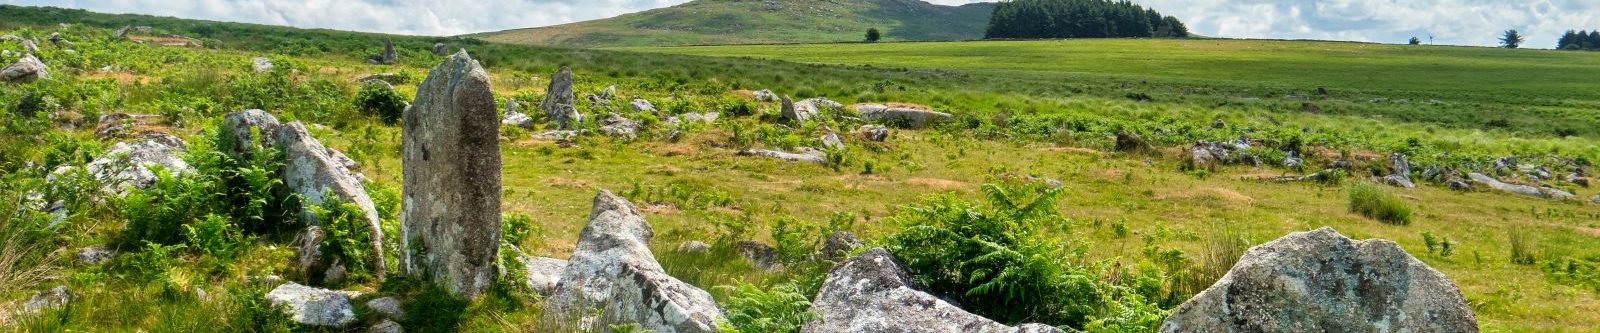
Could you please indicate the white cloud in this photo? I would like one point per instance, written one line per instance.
(1463, 22)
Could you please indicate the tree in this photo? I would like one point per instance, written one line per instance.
(1415, 41)
(1080, 19)
(873, 35)
(1512, 39)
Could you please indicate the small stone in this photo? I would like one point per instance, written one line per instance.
(389, 307)
(313, 306)
(386, 326)
(261, 64)
(55, 298)
(839, 244)
(696, 247)
(642, 105)
(94, 255)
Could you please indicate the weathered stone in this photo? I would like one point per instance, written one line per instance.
(391, 78)
(1537, 192)
(831, 140)
(1131, 143)
(765, 95)
(55, 298)
(1321, 281)
(556, 135)
(807, 155)
(94, 255)
(247, 128)
(694, 117)
(450, 222)
(309, 171)
(261, 64)
(618, 126)
(915, 118)
(642, 105)
(872, 292)
(874, 133)
(313, 306)
(819, 104)
(389, 307)
(613, 278)
(309, 257)
(793, 113)
(515, 117)
(66, 120)
(696, 247)
(839, 244)
(543, 273)
(30, 47)
(760, 255)
(1402, 172)
(389, 55)
(132, 165)
(26, 70)
(440, 49)
(386, 326)
(558, 100)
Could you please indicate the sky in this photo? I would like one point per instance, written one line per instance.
(1455, 22)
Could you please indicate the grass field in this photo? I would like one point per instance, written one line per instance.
(1044, 109)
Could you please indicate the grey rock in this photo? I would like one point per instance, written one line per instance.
(389, 307)
(613, 278)
(874, 133)
(94, 255)
(807, 155)
(247, 128)
(1537, 192)
(440, 49)
(697, 247)
(308, 170)
(618, 126)
(261, 64)
(55, 298)
(386, 326)
(872, 292)
(914, 118)
(642, 105)
(1458, 185)
(839, 244)
(1402, 172)
(391, 78)
(450, 222)
(26, 70)
(29, 46)
(794, 113)
(819, 103)
(132, 165)
(1321, 281)
(694, 117)
(389, 55)
(556, 135)
(765, 95)
(558, 100)
(1132, 142)
(543, 273)
(313, 306)
(309, 257)
(515, 117)
(831, 140)
(760, 255)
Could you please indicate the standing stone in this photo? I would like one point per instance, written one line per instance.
(450, 220)
(558, 100)
(309, 171)
(389, 56)
(1321, 281)
(1402, 172)
(613, 278)
(440, 49)
(793, 113)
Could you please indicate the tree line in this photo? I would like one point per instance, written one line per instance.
(1578, 40)
(1030, 19)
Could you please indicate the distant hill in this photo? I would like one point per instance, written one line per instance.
(706, 22)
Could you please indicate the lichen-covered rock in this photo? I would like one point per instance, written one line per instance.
(386, 326)
(450, 219)
(558, 100)
(806, 154)
(308, 170)
(831, 140)
(1321, 281)
(642, 105)
(1402, 172)
(94, 255)
(872, 292)
(515, 117)
(313, 306)
(696, 247)
(247, 128)
(875, 133)
(26, 70)
(620, 127)
(54, 298)
(542, 273)
(613, 278)
(1537, 192)
(765, 95)
(795, 113)
(130, 165)
(389, 307)
(912, 117)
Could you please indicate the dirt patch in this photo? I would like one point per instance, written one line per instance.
(568, 183)
(1588, 231)
(746, 93)
(1113, 174)
(671, 149)
(937, 184)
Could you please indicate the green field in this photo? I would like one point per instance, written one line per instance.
(1025, 109)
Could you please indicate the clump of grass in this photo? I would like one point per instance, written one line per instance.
(1373, 201)
(1521, 253)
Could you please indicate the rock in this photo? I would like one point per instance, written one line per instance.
(765, 95)
(793, 113)
(819, 103)
(807, 155)
(389, 55)
(1321, 281)
(608, 93)
(29, 46)
(132, 165)
(1458, 185)
(1292, 160)
(760, 255)
(386, 326)
(1211, 154)
(450, 222)
(619, 127)
(1219, 124)
(261, 64)
(250, 127)
(1537, 192)
(693, 117)
(914, 118)
(543, 273)
(642, 105)
(309, 258)
(67, 120)
(335, 274)
(874, 133)
(558, 100)
(1402, 172)
(831, 140)
(1131, 142)
(613, 278)
(556, 135)
(516, 118)
(440, 49)
(26, 70)
(391, 78)
(55, 298)
(696, 247)
(839, 244)
(94, 255)
(389, 307)
(309, 171)
(55, 38)
(872, 292)
(313, 306)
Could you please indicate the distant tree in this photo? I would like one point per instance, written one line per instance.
(1512, 39)
(873, 35)
(1080, 19)
(1566, 41)
(1415, 41)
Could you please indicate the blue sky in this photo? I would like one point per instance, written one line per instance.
(1458, 22)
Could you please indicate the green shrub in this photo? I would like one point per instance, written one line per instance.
(346, 235)
(215, 236)
(381, 100)
(1582, 272)
(158, 214)
(252, 312)
(782, 308)
(1374, 201)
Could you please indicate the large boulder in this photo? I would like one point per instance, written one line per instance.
(26, 70)
(1321, 281)
(903, 115)
(313, 306)
(542, 273)
(310, 171)
(249, 128)
(613, 278)
(558, 100)
(450, 222)
(872, 292)
(130, 165)
(1532, 191)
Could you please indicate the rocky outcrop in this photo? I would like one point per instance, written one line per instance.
(1321, 281)
(26, 70)
(313, 306)
(542, 273)
(905, 116)
(132, 164)
(806, 154)
(558, 101)
(1402, 172)
(1532, 191)
(310, 171)
(450, 220)
(872, 292)
(1212, 154)
(613, 278)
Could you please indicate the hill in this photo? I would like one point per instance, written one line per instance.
(705, 22)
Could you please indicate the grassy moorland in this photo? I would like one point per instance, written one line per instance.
(1525, 265)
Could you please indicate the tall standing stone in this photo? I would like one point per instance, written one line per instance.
(558, 100)
(450, 219)
(389, 56)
